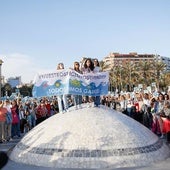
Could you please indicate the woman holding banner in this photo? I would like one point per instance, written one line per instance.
(96, 70)
(77, 98)
(88, 67)
(62, 99)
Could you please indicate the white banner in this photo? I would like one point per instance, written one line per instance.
(70, 82)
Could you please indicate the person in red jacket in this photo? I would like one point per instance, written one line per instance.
(3, 112)
(41, 112)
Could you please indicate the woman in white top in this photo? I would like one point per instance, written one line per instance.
(77, 98)
(62, 99)
(88, 67)
(96, 70)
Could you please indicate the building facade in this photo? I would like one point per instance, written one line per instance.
(14, 81)
(114, 59)
(165, 60)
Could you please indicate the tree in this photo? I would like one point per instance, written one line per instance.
(158, 70)
(166, 79)
(26, 90)
(7, 89)
(145, 70)
(129, 73)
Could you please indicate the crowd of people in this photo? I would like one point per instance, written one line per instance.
(18, 116)
(145, 108)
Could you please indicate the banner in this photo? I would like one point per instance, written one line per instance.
(70, 82)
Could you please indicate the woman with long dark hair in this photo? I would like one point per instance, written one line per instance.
(62, 99)
(88, 67)
(77, 98)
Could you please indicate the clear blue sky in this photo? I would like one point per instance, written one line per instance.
(37, 34)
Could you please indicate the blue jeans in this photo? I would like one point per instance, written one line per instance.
(77, 99)
(15, 130)
(129, 111)
(62, 102)
(33, 121)
(97, 101)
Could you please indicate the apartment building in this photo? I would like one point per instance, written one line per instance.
(14, 81)
(117, 59)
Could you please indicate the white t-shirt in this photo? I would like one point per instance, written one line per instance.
(97, 69)
(8, 107)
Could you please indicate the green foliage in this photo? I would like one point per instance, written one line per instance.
(133, 73)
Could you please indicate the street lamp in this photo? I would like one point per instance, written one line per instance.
(0, 76)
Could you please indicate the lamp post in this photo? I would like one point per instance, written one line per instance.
(0, 76)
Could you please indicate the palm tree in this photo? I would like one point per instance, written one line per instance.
(131, 73)
(106, 67)
(112, 79)
(167, 79)
(145, 70)
(158, 69)
(128, 73)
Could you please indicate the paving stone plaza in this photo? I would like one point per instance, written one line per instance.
(90, 138)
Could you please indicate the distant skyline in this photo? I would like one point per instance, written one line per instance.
(36, 35)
